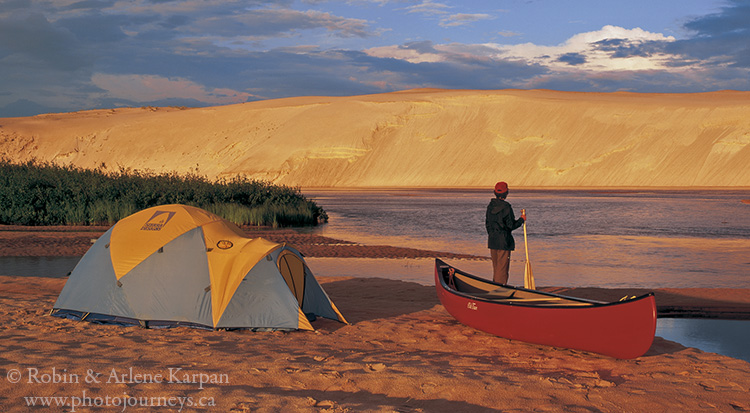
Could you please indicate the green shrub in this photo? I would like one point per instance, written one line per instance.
(36, 193)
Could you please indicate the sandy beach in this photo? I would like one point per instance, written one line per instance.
(401, 352)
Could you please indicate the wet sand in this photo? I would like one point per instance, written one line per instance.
(401, 352)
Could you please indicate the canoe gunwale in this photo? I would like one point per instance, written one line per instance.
(592, 303)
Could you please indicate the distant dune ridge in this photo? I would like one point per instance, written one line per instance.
(416, 138)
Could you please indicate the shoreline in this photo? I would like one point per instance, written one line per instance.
(74, 241)
(401, 352)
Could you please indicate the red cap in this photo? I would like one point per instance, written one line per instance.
(501, 188)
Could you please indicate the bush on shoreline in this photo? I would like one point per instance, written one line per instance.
(36, 193)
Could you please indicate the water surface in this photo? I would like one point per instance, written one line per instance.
(649, 239)
(727, 337)
(38, 266)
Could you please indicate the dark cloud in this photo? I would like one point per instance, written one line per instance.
(95, 28)
(625, 48)
(454, 74)
(24, 107)
(173, 22)
(274, 74)
(637, 81)
(733, 18)
(421, 47)
(573, 59)
(49, 52)
(14, 5)
(719, 39)
(30, 41)
(88, 4)
(275, 22)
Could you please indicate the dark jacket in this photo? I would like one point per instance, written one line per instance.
(500, 221)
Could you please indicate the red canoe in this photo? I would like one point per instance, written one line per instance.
(623, 329)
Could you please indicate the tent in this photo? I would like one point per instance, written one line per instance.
(181, 265)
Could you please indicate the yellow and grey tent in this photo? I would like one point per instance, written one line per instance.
(181, 265)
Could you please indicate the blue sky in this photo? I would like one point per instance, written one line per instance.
(67, 55)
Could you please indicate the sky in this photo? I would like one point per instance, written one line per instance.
(69, 55)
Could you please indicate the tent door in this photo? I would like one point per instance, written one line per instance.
(292, 268)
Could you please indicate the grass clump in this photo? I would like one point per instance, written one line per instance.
(36, 193)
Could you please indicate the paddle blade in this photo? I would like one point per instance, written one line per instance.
(528, 277)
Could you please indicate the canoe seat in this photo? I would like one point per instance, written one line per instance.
(552, 301)
(500, 293)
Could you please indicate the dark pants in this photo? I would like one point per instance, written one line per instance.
(500, 265)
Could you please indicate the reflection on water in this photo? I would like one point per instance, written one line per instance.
(416, 270)
(649, 239)
(38, 266)
(727, 337)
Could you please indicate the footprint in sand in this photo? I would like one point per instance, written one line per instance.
(375, 367)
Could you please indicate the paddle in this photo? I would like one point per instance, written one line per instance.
(528, 276)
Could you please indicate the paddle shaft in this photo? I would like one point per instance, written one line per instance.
(528, 276)
(525, 241)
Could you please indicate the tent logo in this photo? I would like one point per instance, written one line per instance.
(158, 221)
(224, 244)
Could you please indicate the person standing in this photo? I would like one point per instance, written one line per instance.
(499, 222)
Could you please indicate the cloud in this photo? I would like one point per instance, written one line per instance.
(507, 33)
(429, 8)
(610, 59)
(147, 88)
(418, 52)
(462, 19)
(600, 50)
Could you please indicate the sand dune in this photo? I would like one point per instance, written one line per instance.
(416, 138)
